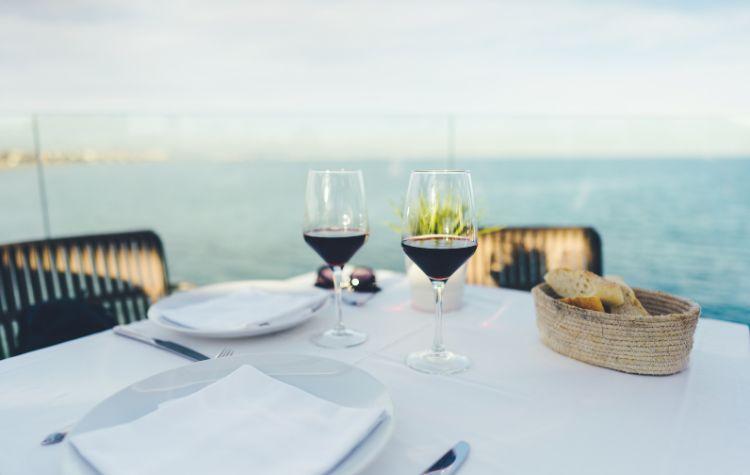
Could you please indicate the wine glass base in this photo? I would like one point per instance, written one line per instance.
(445, 362)
(339, 338)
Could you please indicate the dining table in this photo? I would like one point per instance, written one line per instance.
(522, 408)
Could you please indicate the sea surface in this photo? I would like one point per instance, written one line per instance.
(681, 226)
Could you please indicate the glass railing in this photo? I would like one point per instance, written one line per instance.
(668, 195)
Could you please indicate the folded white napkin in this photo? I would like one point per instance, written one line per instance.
(243, 308)
(245, 423)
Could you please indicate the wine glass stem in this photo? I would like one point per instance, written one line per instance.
(337, 270)
(437, 341)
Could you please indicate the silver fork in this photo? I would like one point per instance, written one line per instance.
(57, 437)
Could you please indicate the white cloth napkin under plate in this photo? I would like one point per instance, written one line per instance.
(242, 308)
(244, 423)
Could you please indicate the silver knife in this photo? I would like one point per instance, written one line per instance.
(451, 461)
(167, 345)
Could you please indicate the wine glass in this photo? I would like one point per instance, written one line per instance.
(439, 235)
(336, 227)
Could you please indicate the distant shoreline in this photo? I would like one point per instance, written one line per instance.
(19, 160)
(12, 159)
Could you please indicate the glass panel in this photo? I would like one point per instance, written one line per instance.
(226, 193)
(20, 206)
(668, 221)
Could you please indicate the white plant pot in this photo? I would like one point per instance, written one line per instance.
(423, 295)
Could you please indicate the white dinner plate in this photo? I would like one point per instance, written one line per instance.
(328, 379)
(201, 294)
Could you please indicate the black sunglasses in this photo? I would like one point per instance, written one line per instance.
(362, 279)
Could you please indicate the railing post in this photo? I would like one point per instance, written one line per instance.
(40, 176)
(451, 141)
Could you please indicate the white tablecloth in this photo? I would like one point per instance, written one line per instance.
(523, 408)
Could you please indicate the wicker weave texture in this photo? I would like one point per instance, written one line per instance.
(655, 345)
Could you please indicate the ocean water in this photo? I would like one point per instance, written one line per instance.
(681, 226)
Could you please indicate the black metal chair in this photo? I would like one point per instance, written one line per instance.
(121, 273)
(518, 257)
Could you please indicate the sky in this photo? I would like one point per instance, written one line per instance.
(624, 59)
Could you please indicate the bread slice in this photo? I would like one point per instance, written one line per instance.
(615, 278)
(588, 303)
(631, 306)
(581, 283)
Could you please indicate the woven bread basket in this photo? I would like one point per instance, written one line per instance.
(659, 344)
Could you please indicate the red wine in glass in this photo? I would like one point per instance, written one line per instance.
(439, 256)
(336, 226)
(439, 233)
(335, 246)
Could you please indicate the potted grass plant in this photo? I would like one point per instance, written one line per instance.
(431, 220)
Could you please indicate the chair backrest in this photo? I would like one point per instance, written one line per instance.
(518, 257)
(122, 272)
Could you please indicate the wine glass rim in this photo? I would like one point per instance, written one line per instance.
(341, 170)
(440, 171)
